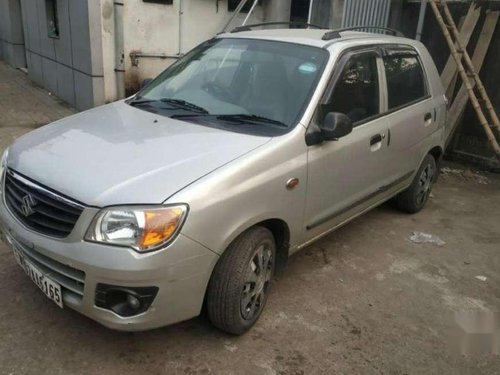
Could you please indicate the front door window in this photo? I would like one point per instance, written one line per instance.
(356, 92)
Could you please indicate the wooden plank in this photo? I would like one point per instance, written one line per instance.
(450, 69)
(458, 106)
(451, 87)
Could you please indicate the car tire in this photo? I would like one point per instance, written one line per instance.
(241, 281)
(413, 199)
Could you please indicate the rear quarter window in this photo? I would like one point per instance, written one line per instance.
(405, 79)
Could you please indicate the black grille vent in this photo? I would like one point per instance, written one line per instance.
(39, 208)
(71, 279)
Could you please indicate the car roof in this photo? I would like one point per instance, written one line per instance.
(313, 37)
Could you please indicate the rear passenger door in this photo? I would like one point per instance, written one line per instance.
(410, 112)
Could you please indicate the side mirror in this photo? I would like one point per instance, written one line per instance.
(336, 125)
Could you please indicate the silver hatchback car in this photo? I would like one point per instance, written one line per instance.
(196, 190)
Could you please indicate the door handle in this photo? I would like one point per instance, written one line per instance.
(427, 117)
(376, 139)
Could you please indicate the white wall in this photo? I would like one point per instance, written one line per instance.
(96, 51)
(108, 50)
(154, 28)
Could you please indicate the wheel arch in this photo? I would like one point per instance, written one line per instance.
(437, 153)
(281, 233)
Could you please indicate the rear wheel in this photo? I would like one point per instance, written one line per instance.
(413, 199)
(240, 283)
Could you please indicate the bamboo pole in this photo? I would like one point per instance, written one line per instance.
(463, 74)
(472, 69)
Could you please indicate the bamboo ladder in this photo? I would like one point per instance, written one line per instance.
(459, 52)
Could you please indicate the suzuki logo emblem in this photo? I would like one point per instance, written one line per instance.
(27, 205)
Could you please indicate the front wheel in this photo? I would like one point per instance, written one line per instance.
(413, 199)
(240, 283)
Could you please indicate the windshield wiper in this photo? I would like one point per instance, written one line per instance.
(178, 103)
(184, 104)
(139, 100)
(244, 118)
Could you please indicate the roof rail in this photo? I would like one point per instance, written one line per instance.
(291, 23)
(334, 34)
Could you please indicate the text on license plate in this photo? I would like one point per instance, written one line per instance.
(50, 288)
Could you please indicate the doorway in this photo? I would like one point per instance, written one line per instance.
(299, 11)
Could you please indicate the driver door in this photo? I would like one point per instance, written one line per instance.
(345, 176)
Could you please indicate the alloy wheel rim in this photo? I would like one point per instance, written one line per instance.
(424, 184)
(258, 276)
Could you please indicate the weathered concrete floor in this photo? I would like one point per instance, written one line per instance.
(364, 300)
(24, 105)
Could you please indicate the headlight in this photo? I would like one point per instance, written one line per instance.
(3, 166)
(141, 228)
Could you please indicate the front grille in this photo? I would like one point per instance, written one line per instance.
(39, 208)
(71, 279)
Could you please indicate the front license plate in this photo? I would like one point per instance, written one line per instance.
(50, 288)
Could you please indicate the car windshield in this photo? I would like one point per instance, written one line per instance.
(230, 82)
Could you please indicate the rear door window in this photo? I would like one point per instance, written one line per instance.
(405, 79)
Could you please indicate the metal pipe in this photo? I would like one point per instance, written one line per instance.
(235, 13)
(135, 55)
(250, 13)
(119, 49)
(421, 18)
(309, 16)
(181, 12)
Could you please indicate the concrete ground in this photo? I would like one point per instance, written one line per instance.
(363, 300)
(24, 105)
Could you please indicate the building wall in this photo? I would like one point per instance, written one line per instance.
(469, 142)
(70, 66)
(155, 29)
(108, 50)
(79, 65)
(328, 13)
(11, 33)
(279, 10)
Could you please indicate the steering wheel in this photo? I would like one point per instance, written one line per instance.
(218, 91)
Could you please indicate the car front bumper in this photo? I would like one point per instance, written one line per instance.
(181, 272)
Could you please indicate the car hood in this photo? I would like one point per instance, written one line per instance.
(118, 154)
